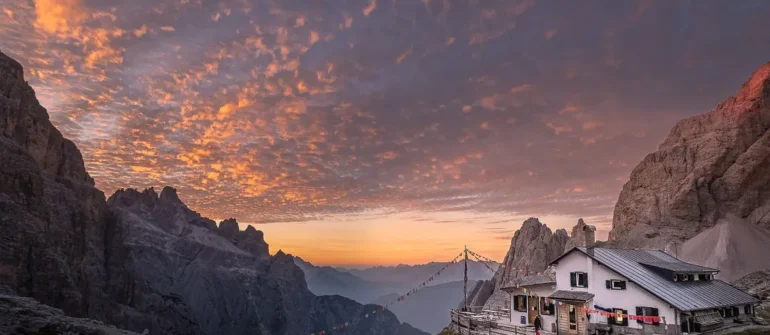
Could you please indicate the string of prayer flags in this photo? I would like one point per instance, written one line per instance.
(643, 318)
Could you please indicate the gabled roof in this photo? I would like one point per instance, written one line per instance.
(684, 296)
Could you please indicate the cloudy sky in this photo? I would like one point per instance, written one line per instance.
(381, 131)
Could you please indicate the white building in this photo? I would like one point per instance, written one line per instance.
(598, 290)
(601, 288)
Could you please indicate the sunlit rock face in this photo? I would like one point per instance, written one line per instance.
(142, 260)
(710, 166)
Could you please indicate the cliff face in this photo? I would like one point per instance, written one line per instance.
(533, 247)
(53, 220)
(710, 166)
(143, 262)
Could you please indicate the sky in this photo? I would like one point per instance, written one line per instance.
(381, 131)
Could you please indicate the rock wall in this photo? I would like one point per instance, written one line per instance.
(53, 220)
(709, 166)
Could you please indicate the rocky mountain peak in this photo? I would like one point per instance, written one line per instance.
(710, 166)
(533, 247)
(758, 86)
(582, 235)
(253, 241)
(11, 67)
(229, 228)
(25, 122)
(168, 194)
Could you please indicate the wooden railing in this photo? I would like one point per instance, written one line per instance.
(488, 323)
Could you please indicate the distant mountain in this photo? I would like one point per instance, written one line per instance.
(413, 275)
(383, 285)
(325, 280)
(428, 309)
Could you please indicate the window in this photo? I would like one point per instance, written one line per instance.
(704, 277)
(620, 318)
(578, 279)
(727, 312)
(520, 303)
(548, 308)
(572, 317)
(747, 310)
(647, 311)
(616, 284)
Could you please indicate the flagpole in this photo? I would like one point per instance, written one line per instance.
(465, 279)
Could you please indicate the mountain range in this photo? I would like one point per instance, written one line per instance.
(140, 260)
(427, 309)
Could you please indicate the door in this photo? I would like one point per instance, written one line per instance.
(532, 309)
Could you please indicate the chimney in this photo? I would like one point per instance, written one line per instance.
(590, 236)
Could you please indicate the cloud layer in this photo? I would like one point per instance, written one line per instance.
(302, 110)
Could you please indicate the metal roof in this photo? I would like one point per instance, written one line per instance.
(572, 295)
(679, 266)
(684, 296)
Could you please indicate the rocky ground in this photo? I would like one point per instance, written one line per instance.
(21, 315)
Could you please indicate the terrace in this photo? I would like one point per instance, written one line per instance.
(488, 322)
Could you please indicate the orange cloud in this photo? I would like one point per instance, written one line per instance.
(167, 28)
(404, 55)
(558, 127)
(521, 88)
(141, 31)
(369, 9)
(60, 17)
(568, 109)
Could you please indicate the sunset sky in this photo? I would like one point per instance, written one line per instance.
(381, 131)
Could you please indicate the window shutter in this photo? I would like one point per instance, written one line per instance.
(515, 302)
(572, 279)
(623, 285)
(609, 283)
(551, 308)
(655, 313)
(735, 311)
(625, 317)
(639, 311)
(585, 280)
